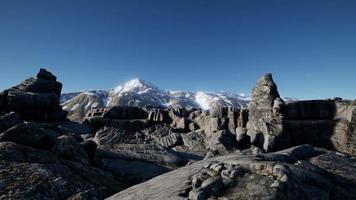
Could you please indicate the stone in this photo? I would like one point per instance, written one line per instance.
(35, 99)
(9, 120)
(195, 141)
(316, 177)
(181, 123)
(221, 142)
(108, 135)
(69, 148)
(31, 134)
(159, 115)
(46, 75)
(242, 139)
(125, 112)
(170, 140)
(264, 124)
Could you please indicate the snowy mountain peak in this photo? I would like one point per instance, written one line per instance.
(136, 85)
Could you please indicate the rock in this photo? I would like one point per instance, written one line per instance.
(89, 147)
(9, 120)
(195, 141)
(143, 152)
(15, 152)
(171, 140)
(159, 115)
(322, 123)
(315, 176)
(108, 135)
(75, 128)
(133, 171)
(242, 139)
(31, 134)
(181, 123)
(221, 142)
(211, 125)
(35, 99)
(265, 124)
(128, 125)
(125, 112)
(46, 75)
(193, 126)
(28, 173)
(69, 148)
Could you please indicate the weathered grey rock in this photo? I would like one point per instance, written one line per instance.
(69, 127)
(35, 99)
(69, 148)
(221, 142)
(195, 141)
(299, 173)
(211, 125)
(159, 115)
(322, 123)
(9, 120)
(242, 139)
(181, 123)
(31, 134)
(265, 121)
(108, 135)
(132, 172)
(28, 173)
(143, 152)
(125, 112)
(170, 140)
(124, 124)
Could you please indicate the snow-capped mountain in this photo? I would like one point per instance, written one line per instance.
(138, 92)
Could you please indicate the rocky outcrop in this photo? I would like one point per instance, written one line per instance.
(30, 173)
(31, 134)
(302, 172)
(274, 125)
(265, 120)
(35, 99)
(323, 123)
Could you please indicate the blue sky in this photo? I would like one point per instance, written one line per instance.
(209, 45)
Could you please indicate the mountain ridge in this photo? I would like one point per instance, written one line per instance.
(139, 92)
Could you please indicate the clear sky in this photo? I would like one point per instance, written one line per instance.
(209, 45)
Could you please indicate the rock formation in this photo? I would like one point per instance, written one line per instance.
(35, 99)
(302, 172)
(43, 155)
(265, 120)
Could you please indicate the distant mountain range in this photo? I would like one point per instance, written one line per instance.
(138, 92)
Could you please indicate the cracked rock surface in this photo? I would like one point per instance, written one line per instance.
(302, 172)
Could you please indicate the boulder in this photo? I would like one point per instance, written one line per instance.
(221, 142)
(31, 134)
(242, 139)
(194, 141)
(69, 148)
(29, 173)
(9, 120)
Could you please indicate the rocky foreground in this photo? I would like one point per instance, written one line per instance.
(270, 150)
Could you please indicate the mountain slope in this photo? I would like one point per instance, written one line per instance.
(138, 92)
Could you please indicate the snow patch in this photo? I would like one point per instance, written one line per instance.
(75, 106)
